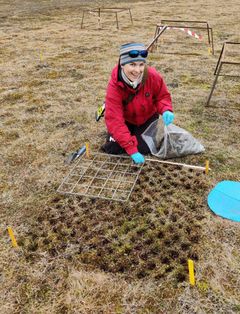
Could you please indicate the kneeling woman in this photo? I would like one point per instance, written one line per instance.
(136, 96)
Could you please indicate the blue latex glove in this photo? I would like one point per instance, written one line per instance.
(138, 158)
(167, 117)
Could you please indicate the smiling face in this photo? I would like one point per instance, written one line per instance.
(133, 70)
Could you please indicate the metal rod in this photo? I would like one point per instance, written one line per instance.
(99, 18)
(130, 15)
(232, 43)
(184, 21)
(117, 19)
(177, 164)
(224, 52)
(219, 59)
(209, 40)
(82, 19)
(214, 83)
(156, 33)
(185, 26)
(212, 40)
(230, 62)
(157, 36)
(111, 9)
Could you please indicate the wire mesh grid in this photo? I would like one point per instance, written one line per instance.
(102, 176)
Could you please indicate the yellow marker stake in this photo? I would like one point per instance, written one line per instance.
(87, 150)
(209, 50)
(207, 167)
(10, 232)
(191, 272)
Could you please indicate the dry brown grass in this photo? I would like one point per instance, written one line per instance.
(53, 76)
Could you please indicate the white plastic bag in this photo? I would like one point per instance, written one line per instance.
(170, 141)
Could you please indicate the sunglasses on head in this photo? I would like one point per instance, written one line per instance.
(136, 53)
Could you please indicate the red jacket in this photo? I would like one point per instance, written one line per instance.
(152, 97)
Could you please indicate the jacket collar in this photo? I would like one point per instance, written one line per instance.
(116, 79)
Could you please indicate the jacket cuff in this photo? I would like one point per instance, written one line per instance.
(131, 150)
(166, 109)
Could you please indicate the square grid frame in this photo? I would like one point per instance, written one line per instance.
(109, 177)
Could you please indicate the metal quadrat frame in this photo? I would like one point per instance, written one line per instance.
(109, 177)
(165, 24)
(221, 61)
(99, 11)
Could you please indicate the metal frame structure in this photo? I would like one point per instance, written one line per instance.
(184, 24)
(220, 63)
(109, 177)
(99, 11)
(156, 36)
(102, 176)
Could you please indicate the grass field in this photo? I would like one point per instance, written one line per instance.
(83, 255)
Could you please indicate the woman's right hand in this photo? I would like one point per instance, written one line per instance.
(138, 158)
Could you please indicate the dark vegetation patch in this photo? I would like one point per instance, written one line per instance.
(152, 235)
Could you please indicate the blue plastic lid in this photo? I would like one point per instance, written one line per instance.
(224, 200)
